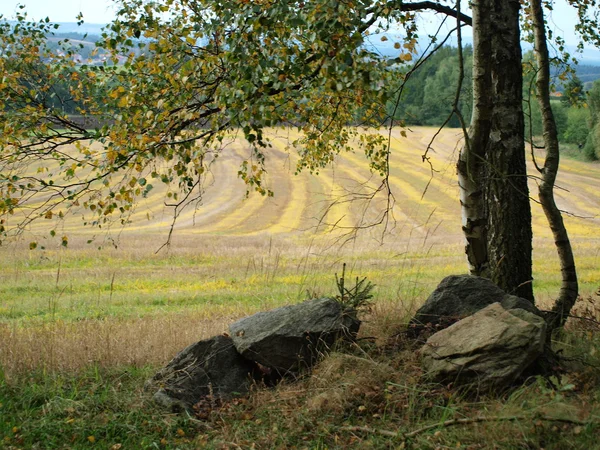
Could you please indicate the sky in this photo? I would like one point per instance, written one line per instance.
(94, 11)
(102, 11)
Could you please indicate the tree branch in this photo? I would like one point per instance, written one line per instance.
(419, 6)
(464, 421)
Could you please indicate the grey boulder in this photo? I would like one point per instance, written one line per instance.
(489, 349)
(211, 367)
(291, 338)
(459, 296)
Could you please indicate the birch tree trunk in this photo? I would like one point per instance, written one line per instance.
(471, 165)
(569, 286)
(491, 168)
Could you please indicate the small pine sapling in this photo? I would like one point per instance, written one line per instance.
(357, 297)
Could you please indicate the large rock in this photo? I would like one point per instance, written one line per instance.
(291, 338)
(210, 367)
(459, 296)
(490, 348)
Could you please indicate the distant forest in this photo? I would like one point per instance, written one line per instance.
(588, 74)
(424, 96)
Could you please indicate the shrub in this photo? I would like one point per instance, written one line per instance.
(578, 127)
(589, 149)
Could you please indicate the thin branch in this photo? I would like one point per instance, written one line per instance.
(455, 104)
(572, 316)
(530, 118)
(464, 421)
(400, 5)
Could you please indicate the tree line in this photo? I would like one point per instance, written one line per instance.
(426, 99)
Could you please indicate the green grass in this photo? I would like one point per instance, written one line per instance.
(369, 387)
(73, 285)
(97, 408)
(129, 304)
(78, 285)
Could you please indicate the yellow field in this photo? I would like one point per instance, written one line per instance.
(426, 202)
(232, 255)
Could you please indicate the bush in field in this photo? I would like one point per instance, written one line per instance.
(590, 149)
(577, 126)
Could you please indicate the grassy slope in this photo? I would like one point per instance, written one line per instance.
(82, 328)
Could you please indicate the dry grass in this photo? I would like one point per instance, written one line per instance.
(375, 397)
(72, 346)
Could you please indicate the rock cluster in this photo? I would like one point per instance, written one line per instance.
(482, 337)
(459, 296)
(280, 342)
(473, 335)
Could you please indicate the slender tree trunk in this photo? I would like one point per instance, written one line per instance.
(569, 287)
(491, 168)
(471, 165)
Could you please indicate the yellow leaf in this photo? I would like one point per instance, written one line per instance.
(92, 439)
(180, 432)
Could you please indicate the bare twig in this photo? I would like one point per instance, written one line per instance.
(464, 421)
